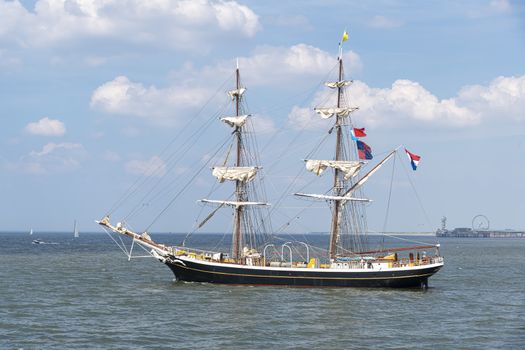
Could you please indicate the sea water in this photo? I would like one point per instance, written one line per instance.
(83, 293)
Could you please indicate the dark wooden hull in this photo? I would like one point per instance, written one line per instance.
(196, 271)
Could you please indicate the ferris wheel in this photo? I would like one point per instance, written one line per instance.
(480, 223)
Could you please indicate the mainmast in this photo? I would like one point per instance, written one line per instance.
(344, 168)
(236, 241)
(334, 231)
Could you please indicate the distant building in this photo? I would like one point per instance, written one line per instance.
(466, 232)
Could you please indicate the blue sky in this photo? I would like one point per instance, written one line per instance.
(91, 92)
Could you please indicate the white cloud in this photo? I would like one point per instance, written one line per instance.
(263, 125)
(154, 166)
(305, 118)
(181, 24)
(384, 22)
(124, 97)
(53, 158)
(46, 127)
(271, 65)
(503, 98)
(279, 67)
(53, 147)
(232, 16)
(407, 102)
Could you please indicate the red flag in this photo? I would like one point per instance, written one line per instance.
(359, 132)
(355, 133)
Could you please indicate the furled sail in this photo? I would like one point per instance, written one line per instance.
(232, 203)
(340, 112)
(333, 198)
(236, 92)
(338, 84)
(244, 174)
(235, 121)
(348, 167)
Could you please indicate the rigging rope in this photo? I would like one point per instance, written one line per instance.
(186, 185)
(416, 194)
(139, 204)
(210, 215)
(135, 186)
(388, 201)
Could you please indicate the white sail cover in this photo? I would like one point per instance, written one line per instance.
(326, 113)
(235, 121)
(333, 198)
(232, 203)
(348, 167)
(242, 173)
(338, 84)
(236, 92)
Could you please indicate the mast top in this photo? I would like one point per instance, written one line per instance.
(343, 39)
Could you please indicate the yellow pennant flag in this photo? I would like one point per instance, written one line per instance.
(345, 36)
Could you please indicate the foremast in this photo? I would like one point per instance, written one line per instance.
(241, 173)
(239, 185)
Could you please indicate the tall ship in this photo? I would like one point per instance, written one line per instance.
(346, 262)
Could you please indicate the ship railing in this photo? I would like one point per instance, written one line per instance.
(199, 254)
(372, 263)
(429, 260)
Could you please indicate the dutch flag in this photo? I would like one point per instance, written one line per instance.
(414, 159)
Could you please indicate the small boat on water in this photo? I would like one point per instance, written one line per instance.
(75, 230)
(347, 263)
(38, 241)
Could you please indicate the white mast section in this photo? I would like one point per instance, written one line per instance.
(348, 167)
(237, 121)
(326, 113)
(338, 84)
(239, 173)
(232, 203)
(333, 198)
(236, 93)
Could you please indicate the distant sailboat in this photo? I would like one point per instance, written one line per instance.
(75, 230)
(31, 232)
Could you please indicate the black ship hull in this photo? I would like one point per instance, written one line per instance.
(197, 271)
